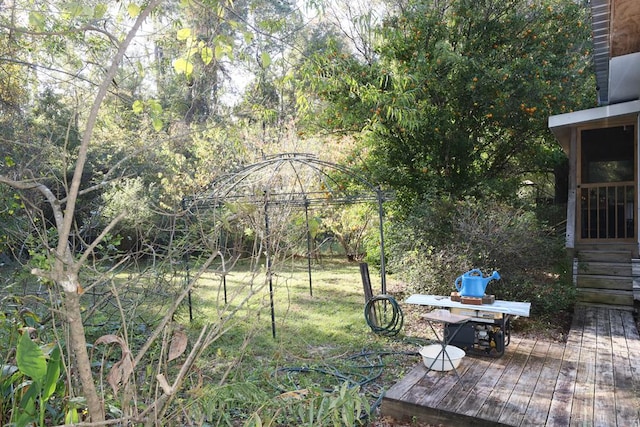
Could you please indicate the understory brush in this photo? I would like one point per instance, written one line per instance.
(443, 239)
(322, 367)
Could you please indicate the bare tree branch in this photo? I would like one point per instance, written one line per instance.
(100, 237)
(43, 189)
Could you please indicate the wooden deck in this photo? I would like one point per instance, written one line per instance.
(592, 380)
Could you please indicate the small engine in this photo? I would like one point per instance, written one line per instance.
(477, 336)
(488, 337)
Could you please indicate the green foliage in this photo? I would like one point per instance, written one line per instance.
(130, 196)
(458, 99)
(225, 404)
(444, 239)
(351, 225)
(29, 380)
(549, 293)
(344, 406)
(15, 223)
(220, 405)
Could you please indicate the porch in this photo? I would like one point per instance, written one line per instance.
(593, 379)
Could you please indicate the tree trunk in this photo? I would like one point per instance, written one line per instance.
(81, 359)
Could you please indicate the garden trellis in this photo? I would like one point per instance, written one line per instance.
(291, 181)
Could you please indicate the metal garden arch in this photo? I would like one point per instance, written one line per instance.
(298, 180)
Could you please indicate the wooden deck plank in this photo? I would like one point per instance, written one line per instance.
(593, 379)
(632, 338)
(400, 400)
(495, 403)
(604, 409)
(538, 409)
(560, 408)
(626, 395)
(404, 406)
(399, 389)
(441, 385)
(583, 397)
(516, 406)
(476, 369)
(633, 345)
(479, 393)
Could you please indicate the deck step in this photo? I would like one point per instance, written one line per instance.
(605, 296)
(623, 283)
(604, 256)
(605, 268)
(605, 276)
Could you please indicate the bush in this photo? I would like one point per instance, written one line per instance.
(443, 239)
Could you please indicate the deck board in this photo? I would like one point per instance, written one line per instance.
(516, 406)
(604, 410)
(499, 396)
(591, 379)
(479, 392)
(624, 359)
(538, 408)
(462, 389)
(583, 397)
(560, 407)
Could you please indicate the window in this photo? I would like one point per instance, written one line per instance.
(607, 154)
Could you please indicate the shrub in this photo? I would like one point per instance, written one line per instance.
(444, 238)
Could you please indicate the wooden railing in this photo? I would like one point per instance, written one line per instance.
(607, 210)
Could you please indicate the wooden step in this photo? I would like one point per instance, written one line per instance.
(628, 248)
(605, 282)
(604, 268)
(605, 275)
(607, 306)
(604, 256)
(605, 296)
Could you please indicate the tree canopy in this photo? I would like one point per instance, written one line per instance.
(457, 96)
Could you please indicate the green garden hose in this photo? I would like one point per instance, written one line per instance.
(361, 371)
(384, 315)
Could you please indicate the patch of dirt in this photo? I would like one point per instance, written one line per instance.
(555, 330)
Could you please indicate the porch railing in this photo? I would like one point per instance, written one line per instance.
(607, 210)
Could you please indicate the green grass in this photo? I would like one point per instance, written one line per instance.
(321, 339)
(325, 324)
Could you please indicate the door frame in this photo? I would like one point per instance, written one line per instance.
(633, 121)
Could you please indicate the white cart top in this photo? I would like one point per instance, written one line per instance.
(499, 306)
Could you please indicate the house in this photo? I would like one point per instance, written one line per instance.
(601, 143)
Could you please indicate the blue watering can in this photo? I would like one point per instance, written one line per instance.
(473, 284)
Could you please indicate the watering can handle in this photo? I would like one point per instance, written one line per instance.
(474, 271)
(458, 283)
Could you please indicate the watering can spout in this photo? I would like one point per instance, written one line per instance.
(473, 283)
(494, 276)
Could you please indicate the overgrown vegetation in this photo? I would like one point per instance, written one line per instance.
(113, 116)
(324, 367)
(445, 238)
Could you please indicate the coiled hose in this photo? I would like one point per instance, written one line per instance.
(384, 315)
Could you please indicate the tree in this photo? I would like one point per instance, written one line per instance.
(94, 179)
(64, 267)
(458, 100)
(350, 226)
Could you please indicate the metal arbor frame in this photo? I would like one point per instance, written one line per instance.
(296, 180)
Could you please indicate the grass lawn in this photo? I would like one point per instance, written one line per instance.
(322, 340)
